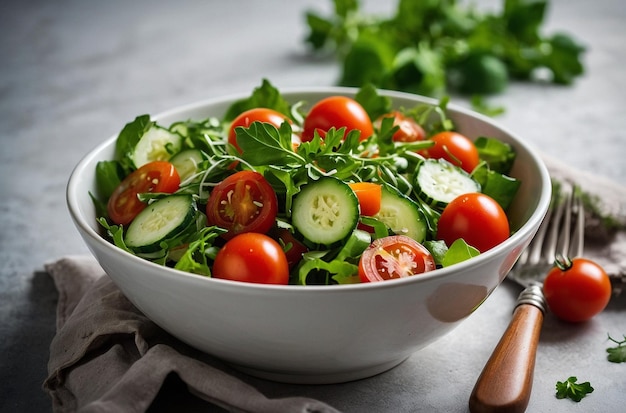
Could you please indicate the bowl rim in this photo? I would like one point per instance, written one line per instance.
(526, 230)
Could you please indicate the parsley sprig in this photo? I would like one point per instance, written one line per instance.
(572, 390)
(617, 354)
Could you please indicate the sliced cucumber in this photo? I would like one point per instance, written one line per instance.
(402, 215)
(186, 163)
(159, 221)
(437, 182)
(157, 144)
(325, 211)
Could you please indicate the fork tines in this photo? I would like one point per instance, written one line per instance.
(560, 233)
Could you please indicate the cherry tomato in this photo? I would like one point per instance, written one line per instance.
(158, 176)
(243, 202)
(577, 289)
(408, 129)
(369, 195)
(396, 256)
(455, 148)
(247, 118)
(294, 248)
(475, 217)
(337, 112)
(252, 257)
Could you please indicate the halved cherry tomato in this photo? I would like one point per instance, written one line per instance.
(369, 195)
(455, 148)
(396, 256)
(243, 202)
(247, 118)
(475, 217)
(158, 176)
(408, 129)
(337, 112)
(252, 257)
(576, 289)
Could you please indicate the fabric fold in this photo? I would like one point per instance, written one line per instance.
(108, 357)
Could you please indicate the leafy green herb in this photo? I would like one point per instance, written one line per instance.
(572, 390)
(459, 251)
(264, 96)
(434, 47)
(617, 354)
(128, 138)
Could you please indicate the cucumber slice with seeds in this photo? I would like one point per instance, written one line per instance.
(157, 144)
(186, 163)
(402, 215)
(325, 211)
(437, 182)
(161, 220)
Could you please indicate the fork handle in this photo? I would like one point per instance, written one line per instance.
(506, 380)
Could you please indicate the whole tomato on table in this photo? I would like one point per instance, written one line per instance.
(576, 289)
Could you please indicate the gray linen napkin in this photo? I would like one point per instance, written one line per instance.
(108, 357)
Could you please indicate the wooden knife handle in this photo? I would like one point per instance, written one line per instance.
(506, 380)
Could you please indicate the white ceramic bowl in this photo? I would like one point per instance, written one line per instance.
(314, 334)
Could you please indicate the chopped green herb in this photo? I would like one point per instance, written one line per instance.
(572, 390)
(617, 354)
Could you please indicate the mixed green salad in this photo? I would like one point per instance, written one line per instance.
(343, 190)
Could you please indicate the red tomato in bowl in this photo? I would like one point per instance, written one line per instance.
(153, 177)
(577, 289)
(457, 149)
(337, 112)
(396, 256)
(475, 217)
(408, 129)
(243, 202)
(247, 118)
(252, 257)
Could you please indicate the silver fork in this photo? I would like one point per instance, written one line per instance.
(506, 380)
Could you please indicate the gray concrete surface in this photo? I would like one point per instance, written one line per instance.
(73, 72)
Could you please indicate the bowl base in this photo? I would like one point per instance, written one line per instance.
(319, 378)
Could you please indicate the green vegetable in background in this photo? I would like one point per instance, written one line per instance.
(572, 390)
(434, 47)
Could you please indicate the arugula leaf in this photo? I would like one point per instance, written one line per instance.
(109, 174)
(116, 233)
(200, 251)
(264, 96)
(438, 250)
(617, 354)
(339, 266)
(128, 138)
(263, 144)
(572, 390)
(499, 155)
(374, 104)
(459, 251)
